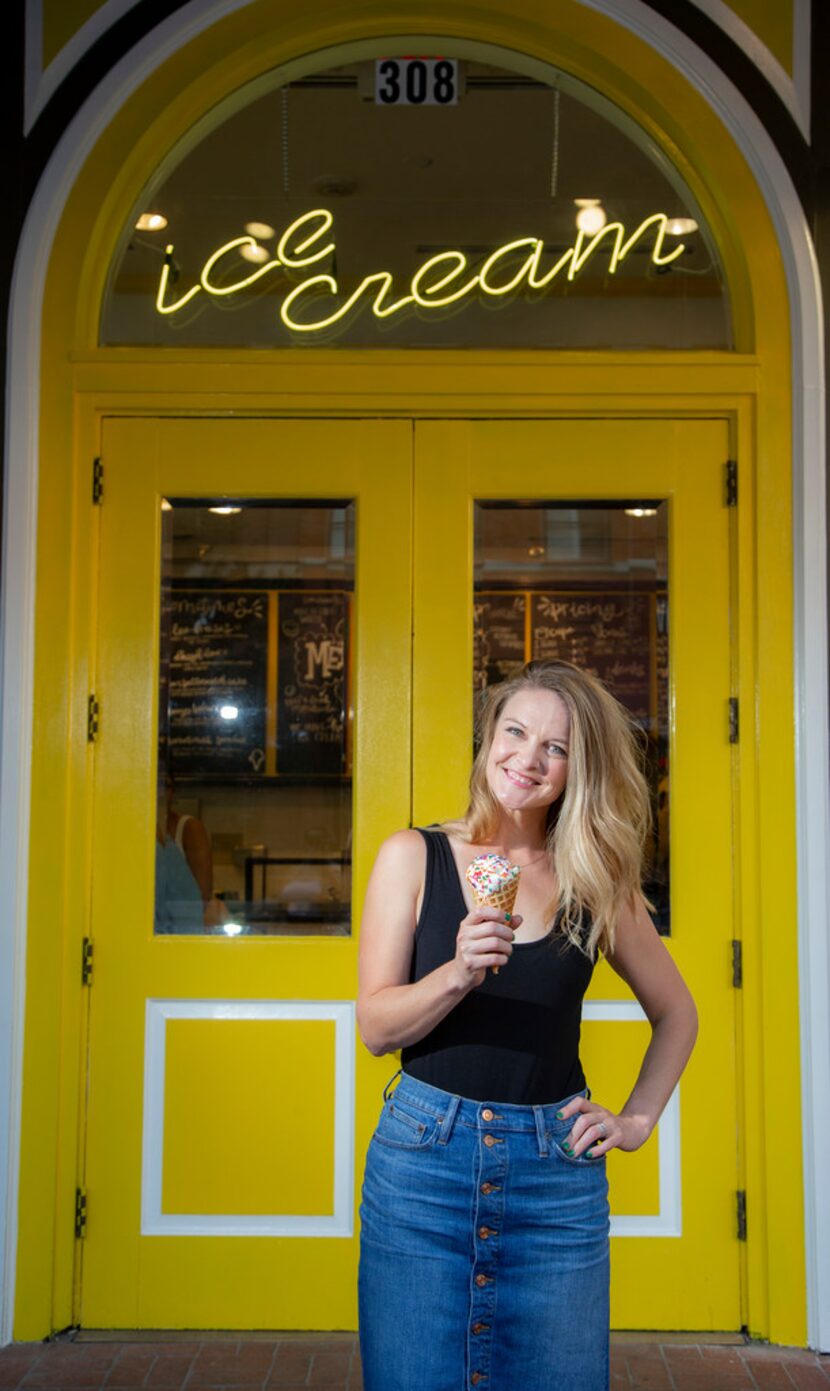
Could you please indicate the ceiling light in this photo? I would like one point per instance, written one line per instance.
(591, 217)
(681, 226)
(262, 230)
(151, 222)
(254, 253)
(225, 511)
(641, 511)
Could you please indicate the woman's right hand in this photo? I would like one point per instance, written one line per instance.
(484, 940)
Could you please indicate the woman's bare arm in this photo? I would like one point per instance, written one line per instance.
(199, 856)
(391, 1012)
(641, 958)
(644, 962)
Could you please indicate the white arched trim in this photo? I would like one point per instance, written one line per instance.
(40, 82)
(793, 90)
(20, 519)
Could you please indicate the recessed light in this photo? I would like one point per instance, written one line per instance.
(681, 226)
(641, 511)
(151, 222)
(262, 230)
(225, 511)
(591, 218)
(255, 253)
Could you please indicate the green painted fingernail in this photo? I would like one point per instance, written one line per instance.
(589, 1154)
(566, 1146)
(560, 1115)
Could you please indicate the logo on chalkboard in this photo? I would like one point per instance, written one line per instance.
(322, 658)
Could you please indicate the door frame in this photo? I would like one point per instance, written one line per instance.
(691, 388)
(39, 436)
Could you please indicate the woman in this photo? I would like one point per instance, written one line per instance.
(484, 1244)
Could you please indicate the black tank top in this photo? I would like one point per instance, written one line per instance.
(515, 1037)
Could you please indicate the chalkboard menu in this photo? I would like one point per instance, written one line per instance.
(498, 637)
(606, 633)
(254, 682)
(217, 703)
(662, 660)
(311, 681)
(610, 634)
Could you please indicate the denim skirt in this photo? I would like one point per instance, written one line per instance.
(484, 1251)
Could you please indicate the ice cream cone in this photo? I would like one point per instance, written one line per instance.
(494, 883)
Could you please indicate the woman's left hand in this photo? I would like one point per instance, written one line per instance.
(599, 1130)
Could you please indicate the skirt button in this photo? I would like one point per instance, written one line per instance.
(487, 1115)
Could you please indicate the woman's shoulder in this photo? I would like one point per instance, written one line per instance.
(402, 847)
(401, 860)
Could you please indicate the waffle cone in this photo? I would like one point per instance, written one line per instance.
(500, 898)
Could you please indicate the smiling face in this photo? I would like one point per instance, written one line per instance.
(527, 766)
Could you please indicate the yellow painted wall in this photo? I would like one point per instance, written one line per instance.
(62, 19)
(752, 387)
(772, 21)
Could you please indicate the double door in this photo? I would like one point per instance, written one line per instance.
(295, 622)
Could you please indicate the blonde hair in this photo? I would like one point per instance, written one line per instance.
(598, 829)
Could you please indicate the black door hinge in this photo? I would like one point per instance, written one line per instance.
(93, 712)
(97, 480)
(80, 1213)
(737, 962)
(731, 483)
(87, 951)
(741, 1196)
(733, 719)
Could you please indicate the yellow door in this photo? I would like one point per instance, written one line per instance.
(607, 542)
(228, 1100)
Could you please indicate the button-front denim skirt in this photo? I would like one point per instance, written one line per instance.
(484, 1256)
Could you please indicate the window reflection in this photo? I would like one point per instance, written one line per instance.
(253, 818)
(588, 583)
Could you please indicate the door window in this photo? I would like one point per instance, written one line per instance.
(586, 582)
(418, 203)
(255, 718)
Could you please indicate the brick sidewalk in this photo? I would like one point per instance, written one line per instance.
(667, 1362)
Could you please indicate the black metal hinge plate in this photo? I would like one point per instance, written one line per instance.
(97, 480)
(741, 1196)
(92, 718)
(731, 483)
(80, 1213)
(733, 719)
(737, 962)
(87, 953)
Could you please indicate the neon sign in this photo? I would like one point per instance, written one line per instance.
(442, 280)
